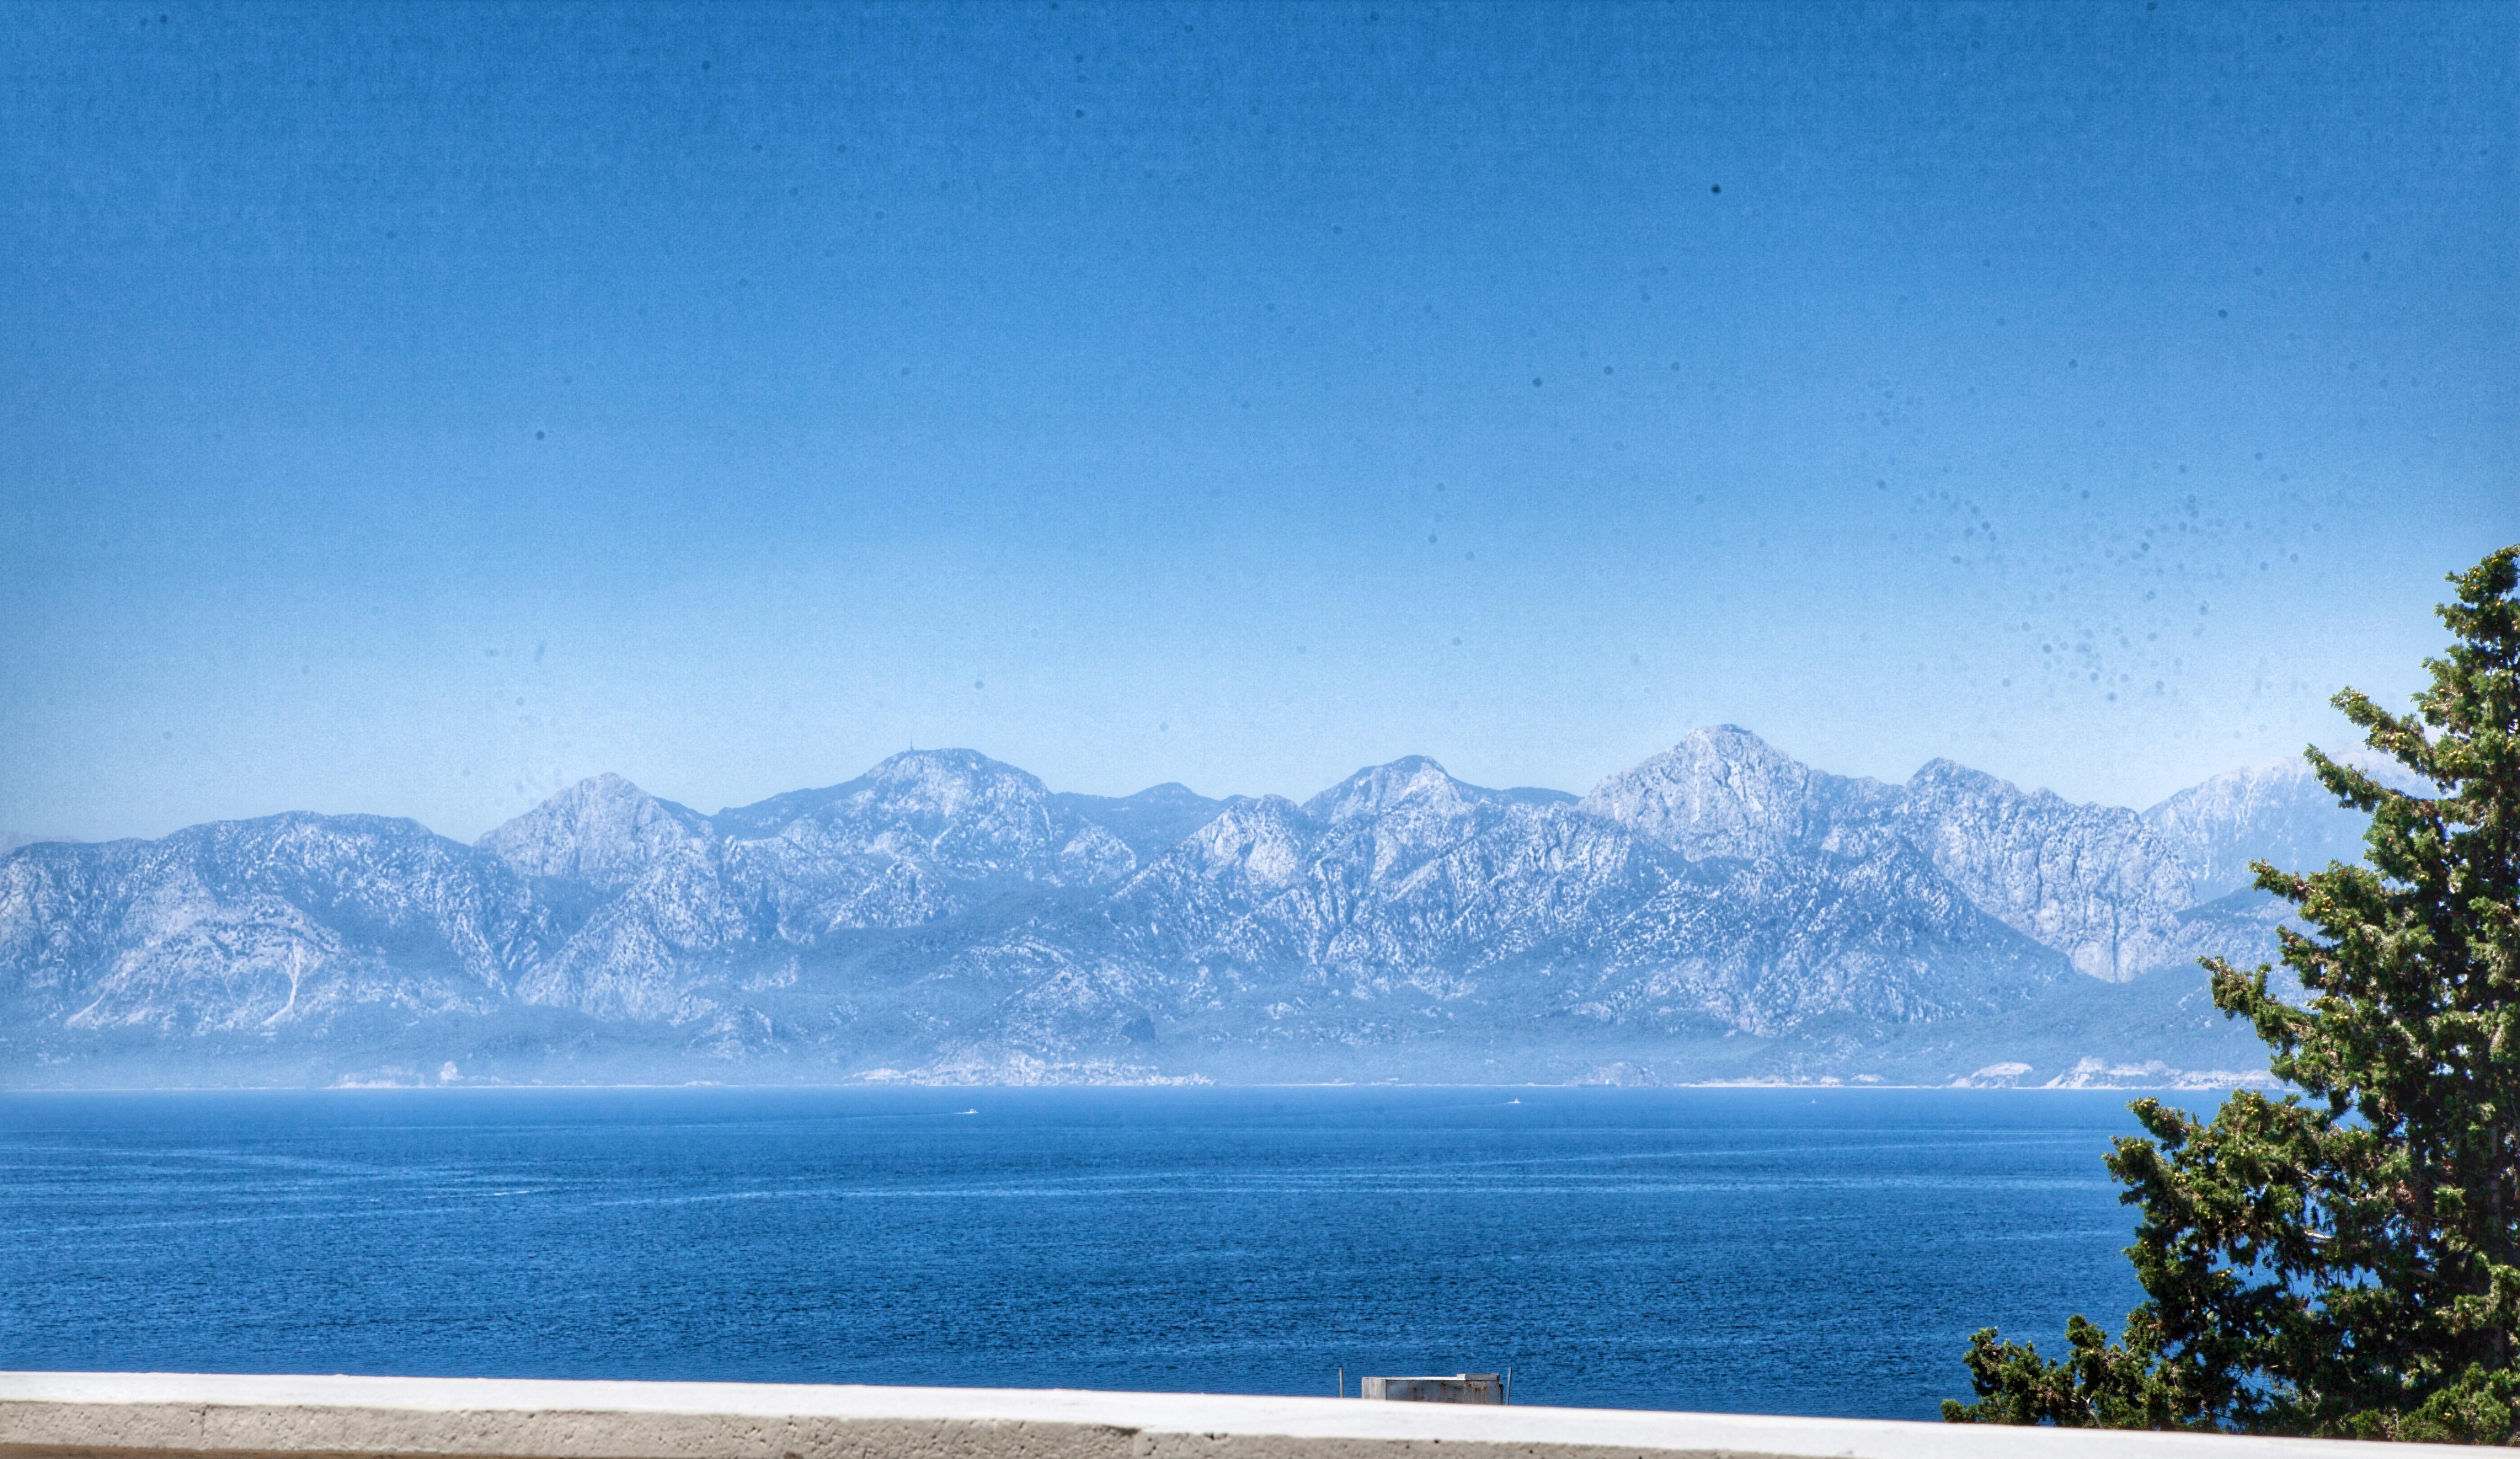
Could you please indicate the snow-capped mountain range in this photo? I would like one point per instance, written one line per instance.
(1719, 911)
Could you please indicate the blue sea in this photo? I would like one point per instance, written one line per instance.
(1797, 1251)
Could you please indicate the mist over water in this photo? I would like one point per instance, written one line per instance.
(1795, 1251)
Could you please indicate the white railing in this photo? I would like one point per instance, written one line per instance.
(146, 1415)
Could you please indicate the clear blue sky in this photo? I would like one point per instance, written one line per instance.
(416, 408)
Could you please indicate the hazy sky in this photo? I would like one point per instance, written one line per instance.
(416, 408)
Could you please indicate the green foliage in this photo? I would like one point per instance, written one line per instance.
(2345, 1259)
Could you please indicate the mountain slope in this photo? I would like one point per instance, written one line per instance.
(1720, 909)
(290, 923)
(2276, 811)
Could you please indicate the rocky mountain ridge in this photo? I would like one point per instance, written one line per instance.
(1719, 911)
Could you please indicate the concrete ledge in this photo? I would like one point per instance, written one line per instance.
(167, 1415)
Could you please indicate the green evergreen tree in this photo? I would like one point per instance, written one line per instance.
(2345, 1259)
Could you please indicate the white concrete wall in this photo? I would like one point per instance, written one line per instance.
(144, 1415)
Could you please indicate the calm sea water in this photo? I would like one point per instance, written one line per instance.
(1785, 1251)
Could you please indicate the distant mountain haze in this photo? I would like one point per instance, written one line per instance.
(11, 840)
(1718, 911)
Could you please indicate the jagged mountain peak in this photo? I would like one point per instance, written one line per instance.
(1724, 751)
(603, 831)
(603, 793)
(915, 785)
(941, 787)
(1940, 788)
(1379, 789)
(1940, 769)
(940, 767)
(2095, 882)
(944, 783)
(936, 816)
(1722, 792)
(1940, 777)
(2290, 775)
(2276, 811)
(1265, 838)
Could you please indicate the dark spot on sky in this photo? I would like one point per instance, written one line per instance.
(1718, 188)
(538, 435)
(978, 684)
(1535, 383)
